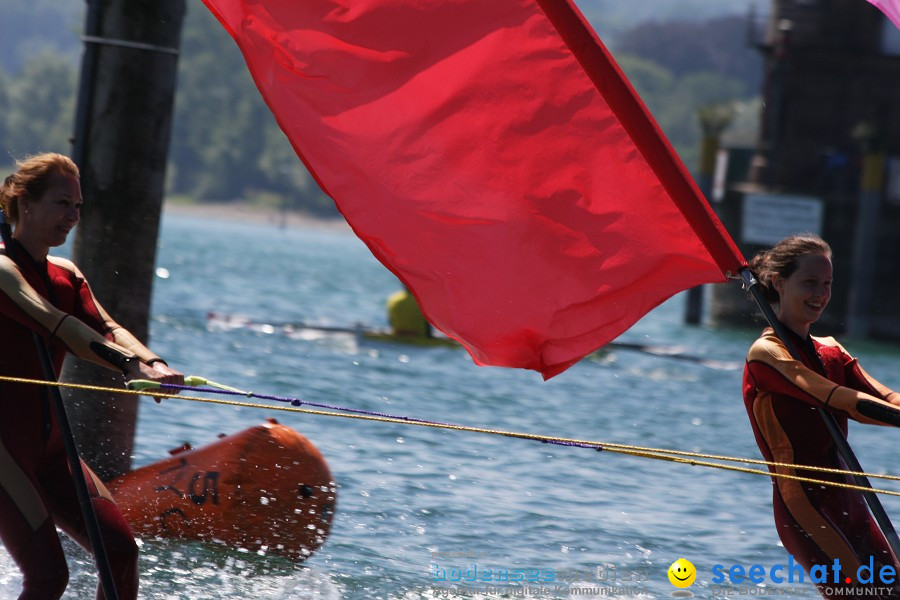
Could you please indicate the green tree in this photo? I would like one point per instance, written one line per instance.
(673, 101)
(41, 106)
(612, 18)
(28, 27)
(226, 144)
(685, 47)
(209, 137)
(287, 176)
(649, 79)
(677, 114)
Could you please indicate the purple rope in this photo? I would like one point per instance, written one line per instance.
(371, 413)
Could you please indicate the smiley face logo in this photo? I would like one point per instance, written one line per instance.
(682, 573)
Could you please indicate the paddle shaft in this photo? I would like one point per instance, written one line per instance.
(84, 497)
(840, 441)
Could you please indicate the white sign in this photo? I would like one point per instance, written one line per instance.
(893, 180)
(769, 218)
(890, 39)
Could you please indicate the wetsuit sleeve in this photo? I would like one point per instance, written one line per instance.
(865, 382)
(90, 310)
(772, 368)
(858, 379)
(22, 303)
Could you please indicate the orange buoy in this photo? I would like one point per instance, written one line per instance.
(266, 488)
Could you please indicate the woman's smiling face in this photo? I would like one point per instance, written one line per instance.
(804, 295)
(47, 221)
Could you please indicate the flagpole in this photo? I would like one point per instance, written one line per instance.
(840, 441)
(92, 525)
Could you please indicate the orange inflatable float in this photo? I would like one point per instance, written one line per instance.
(264, 489)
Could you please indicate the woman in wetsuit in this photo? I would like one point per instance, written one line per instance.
(48, 295)
(816, 523)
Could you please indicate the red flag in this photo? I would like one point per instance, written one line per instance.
(491, 154)
(891, 8)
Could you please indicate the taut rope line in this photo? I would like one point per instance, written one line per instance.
(676, 456)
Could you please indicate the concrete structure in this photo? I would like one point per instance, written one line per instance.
(827, 160)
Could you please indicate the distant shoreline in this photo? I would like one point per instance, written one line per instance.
(239, 211)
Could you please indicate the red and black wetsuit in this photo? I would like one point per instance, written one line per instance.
(36, 489)
(816, 523)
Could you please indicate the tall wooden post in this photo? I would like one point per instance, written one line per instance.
(121, 143)
(713, 121)
(865, 245)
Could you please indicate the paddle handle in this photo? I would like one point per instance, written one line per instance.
(145, 384)
(190, 380)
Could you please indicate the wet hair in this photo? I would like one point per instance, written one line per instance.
(34, 175)
(783, 259)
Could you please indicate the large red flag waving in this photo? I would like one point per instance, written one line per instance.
(491, 154)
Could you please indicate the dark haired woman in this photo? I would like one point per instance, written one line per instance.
(49, 296)
(817, 524)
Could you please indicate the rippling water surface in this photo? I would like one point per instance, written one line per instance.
(416, 504)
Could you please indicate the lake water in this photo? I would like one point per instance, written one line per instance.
(417, 504)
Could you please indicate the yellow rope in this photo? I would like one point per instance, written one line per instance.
(676, 456)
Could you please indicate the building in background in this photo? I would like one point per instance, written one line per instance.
(827, 159)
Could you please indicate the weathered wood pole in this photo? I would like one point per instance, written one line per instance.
(123, 121)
